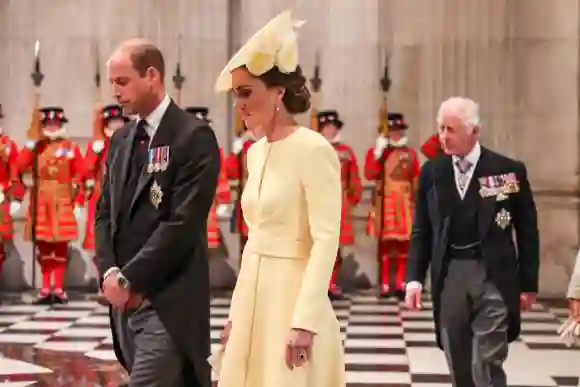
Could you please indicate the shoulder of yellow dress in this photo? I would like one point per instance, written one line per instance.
(313, 139)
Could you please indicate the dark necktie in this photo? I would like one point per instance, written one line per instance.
(139, 157)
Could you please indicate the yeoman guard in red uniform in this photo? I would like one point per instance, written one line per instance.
(59, 198)
(222, 195)
(330, 125)
(107, 121)
(395, 168)
(236, 170)
(11, 189)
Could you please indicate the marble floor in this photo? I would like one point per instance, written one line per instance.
(385, 345)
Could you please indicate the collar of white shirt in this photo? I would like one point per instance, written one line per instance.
(472, 157)
(154, 118)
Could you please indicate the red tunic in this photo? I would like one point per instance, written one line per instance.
(236, 169)
(60, 171)
(351, 188)
(432, 147)
(397, 196)
(222, 196)
(95, 157)
(10, 186)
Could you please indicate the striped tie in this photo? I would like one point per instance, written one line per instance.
(463, 166)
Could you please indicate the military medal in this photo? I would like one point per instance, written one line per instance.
(156, 194)
(163, 157)
(150, 165)
(503, 219)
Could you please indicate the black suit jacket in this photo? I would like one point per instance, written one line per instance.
(512, 268)
(171, 268)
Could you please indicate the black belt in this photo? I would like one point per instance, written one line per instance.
(471, 251)
(468, 246)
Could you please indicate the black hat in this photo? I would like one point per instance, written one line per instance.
(1, 114)
(200, 112)
(111, 112)
(397, 121)
(53, 114)
(329, 117)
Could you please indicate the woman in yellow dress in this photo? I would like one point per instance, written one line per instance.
(282, 330)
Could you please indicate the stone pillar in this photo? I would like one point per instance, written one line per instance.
(545, 127)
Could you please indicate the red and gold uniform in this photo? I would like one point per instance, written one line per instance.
(222, 195)
(107, 120)
(59, 196)
(395, 168)
(329, 125)
(11, 190)
(236, 170)
(432, 147)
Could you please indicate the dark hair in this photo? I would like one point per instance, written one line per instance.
(147, 55)
(296, 99)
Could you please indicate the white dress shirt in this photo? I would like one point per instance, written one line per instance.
(153, 120)
(473, 158)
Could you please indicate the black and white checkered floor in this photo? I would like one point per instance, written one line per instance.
(385, 344)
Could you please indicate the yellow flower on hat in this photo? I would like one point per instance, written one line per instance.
(274, 45)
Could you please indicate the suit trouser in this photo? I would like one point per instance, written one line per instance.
(473, 326)
(150, 353)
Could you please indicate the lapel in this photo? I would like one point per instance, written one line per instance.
(124, 155)
(486, 206)
(162, 137)
(445, 187)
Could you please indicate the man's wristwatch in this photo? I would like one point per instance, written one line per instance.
(122, 281)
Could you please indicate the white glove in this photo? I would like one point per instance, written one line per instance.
(222, 209)
(30, 144)
(237, 146)
(79, 213)
(14, 208)
(380, 144)
(98, 146)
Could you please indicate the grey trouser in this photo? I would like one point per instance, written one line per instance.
(152, 357)
(473, 326)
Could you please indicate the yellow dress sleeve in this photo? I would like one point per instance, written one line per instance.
(320, 176)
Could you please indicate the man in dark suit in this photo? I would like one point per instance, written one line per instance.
(160, 179)
(469, 203)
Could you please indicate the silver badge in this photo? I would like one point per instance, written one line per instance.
(156, 194)
(503, 219)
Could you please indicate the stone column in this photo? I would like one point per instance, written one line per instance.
(545, 128)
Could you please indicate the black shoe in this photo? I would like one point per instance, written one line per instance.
(43, 300)
(400, 295)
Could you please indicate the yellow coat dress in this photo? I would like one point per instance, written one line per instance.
(292, 205)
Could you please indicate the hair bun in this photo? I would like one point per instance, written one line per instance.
(296, 98)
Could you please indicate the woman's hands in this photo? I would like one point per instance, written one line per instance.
(298, 347)
(225, 335)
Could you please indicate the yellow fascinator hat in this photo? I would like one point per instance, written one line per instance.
(275, 45)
